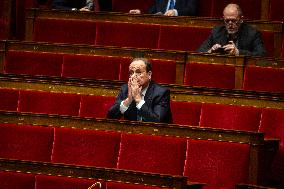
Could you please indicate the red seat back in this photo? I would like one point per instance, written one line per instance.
(26, 142)
(127, 35)
(276, 10)
(85, 147)
(264, 79)
(33, 63)
(210, 75)
(95, 106)
(230, 117)
(152, 154)
(9, 100)
(186, 113)
(217, 164)
(64, 31)
(49, 103)
(12, 180)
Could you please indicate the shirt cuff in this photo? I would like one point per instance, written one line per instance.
(123, 108)
(140, 104)
(175, 12)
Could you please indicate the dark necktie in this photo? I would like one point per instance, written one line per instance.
(172, 4)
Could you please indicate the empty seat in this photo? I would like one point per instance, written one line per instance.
(210, 75)
(264, 79)
(268, 40)
(85, 147)
(49, 103)
(276, 10)
(26, 142)
(230, 117)
(217, 164)
(186, 113)
(51, 182)
(155, 154)
(9, 100)
(33, 63)
(127, 35)
(182, 38)
(126, 5)
(13, 180)
(95, 106)
(64, 31)
(93, 67)
(163, 71)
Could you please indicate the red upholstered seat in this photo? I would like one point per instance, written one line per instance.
(26, 142)
(93, 67)
(268, 40)
(182, 38)
(186, 113)
(264, 79)
(115, 185)
(246, 5)
(126, 5)
(49, 103)
(85, 147)
(210, 75)
(95, 106)
(217, 164)
(163, 71)
(9, 100)
(64, 31)
(52, 182)
(127, 35)
(33, 63)
(155, 154)
(276, 10)
(282, 49)
(12, 180)
(272, 125)
(4, 28)
(230, 117)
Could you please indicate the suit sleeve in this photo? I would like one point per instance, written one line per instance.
(60, 4)
(206, 45)
(114, 111)
(188, 8)
(160, 108)
(258, 46)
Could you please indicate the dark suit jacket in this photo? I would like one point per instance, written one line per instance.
(68, 4)
(248, 41)
(183, 7)
(155, 109)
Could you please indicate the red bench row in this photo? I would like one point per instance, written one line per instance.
(258, 78)
(218, 164)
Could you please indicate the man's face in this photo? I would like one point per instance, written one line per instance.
(232, 20)
(137, 71)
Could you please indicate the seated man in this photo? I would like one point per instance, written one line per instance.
(234, 37)
(82, 5)
(172, 8)
(142, 99)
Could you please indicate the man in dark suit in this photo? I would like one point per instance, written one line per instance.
(234, 37)
(82, 5)
(142, 99)
(172, 8)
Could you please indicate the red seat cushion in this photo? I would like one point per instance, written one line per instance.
(64, 31)
(217, 164)
(186, 113)
(85, 147)
(26, 142)
(230, 117)
(33, 63)
(155, 154)
(11, 99)
(49, 103)
(95, 106)
(127, 35)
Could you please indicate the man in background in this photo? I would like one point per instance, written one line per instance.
(172, 8)
(234, 37)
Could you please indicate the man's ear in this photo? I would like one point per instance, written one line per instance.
(150, 75)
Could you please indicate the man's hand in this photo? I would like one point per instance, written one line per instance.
(231, 48)
(214, 48)
(170, 13)
(135, 11)
(84, 9)
(136, 90)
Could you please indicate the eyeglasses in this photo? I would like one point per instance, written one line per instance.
(233, 21)
(138, 73)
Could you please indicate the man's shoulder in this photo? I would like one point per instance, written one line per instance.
(158, 87)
